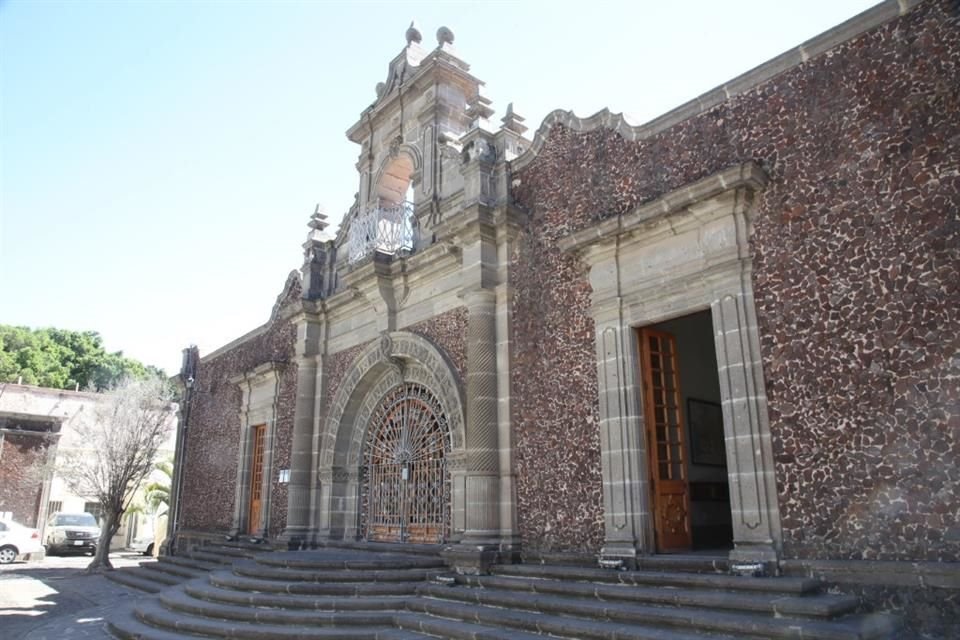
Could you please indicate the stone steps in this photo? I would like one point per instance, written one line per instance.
(153, 576)
(351, 592)
(258, 570)
(683, 579)
(191, 562)
(181, 602)
(230, 580)
(511, 608)
(175, 570)
(811, 606)
(204, 590)
(349, 561)
(134, 577)
(152, 621)
(402, 548)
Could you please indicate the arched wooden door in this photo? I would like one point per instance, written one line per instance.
(406, 490)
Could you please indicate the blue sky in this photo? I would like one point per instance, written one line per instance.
(159, 160)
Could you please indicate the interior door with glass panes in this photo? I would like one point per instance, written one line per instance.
(666, 444)
(256, 479)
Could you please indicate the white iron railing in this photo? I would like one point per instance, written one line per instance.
(389, 230)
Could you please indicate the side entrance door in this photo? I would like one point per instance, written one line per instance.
(663, 417)
(256, 479)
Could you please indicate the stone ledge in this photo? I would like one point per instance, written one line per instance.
(747, 175)
(939, 575)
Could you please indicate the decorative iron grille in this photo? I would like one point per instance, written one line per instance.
(389, 230)
(406, 489)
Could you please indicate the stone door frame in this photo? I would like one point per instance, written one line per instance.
(685, 252)
(259, 391)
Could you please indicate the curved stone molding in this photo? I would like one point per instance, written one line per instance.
(372, 374)
(604, 118)
(292, 289)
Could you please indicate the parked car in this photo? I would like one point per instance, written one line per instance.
(143, 545)
(17, 540)
(72, 532)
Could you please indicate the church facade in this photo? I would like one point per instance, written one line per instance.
(730, 330)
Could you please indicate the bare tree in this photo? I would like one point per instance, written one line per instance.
(118, 451)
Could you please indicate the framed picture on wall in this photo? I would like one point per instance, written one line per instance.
(706, 433)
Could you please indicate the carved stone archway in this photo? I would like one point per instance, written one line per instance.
(397, 358)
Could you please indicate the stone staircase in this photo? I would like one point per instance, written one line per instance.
(354, 593)
(154, 576)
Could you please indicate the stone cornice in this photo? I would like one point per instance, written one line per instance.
(748, 175)
(818, 45)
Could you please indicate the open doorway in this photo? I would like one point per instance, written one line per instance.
(685, 436)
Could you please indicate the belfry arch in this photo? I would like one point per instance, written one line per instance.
(399, 360)
(396, 176)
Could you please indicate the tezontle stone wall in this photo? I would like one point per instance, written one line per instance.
(213, 434)
(855, 255)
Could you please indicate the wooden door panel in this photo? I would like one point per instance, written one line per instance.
(256, 479)
(666, 436)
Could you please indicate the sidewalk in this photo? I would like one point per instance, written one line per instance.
(53, 599)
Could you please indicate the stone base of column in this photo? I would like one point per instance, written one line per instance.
(756, 559)
(471, 559)
(510, 550)
(618, 555)
(296, 539)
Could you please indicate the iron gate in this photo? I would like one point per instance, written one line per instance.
(406, 490)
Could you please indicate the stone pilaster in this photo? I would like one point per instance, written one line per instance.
(624, 485)
(301, 530)
(753, 497)
(483, 455)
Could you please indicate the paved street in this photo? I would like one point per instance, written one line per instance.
(53, 599)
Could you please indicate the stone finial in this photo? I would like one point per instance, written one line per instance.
(318, 220)
(444, 36)
(513, 122)
(318, 225)
(478, 108)
(413, 34)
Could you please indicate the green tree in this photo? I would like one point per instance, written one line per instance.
(64, 359)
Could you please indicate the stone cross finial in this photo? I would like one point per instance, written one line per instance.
(513, 122)
(413, 34)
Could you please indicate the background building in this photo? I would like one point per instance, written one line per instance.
(36, 425)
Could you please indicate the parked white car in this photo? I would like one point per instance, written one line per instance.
(17, 540)
(143, 545)
(72, 532)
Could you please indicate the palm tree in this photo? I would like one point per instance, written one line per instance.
(157, 493)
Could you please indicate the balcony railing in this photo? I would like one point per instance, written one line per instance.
(388, 230)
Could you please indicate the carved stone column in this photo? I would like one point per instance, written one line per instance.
(480, 543)
(483, 468)
(301, 501)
